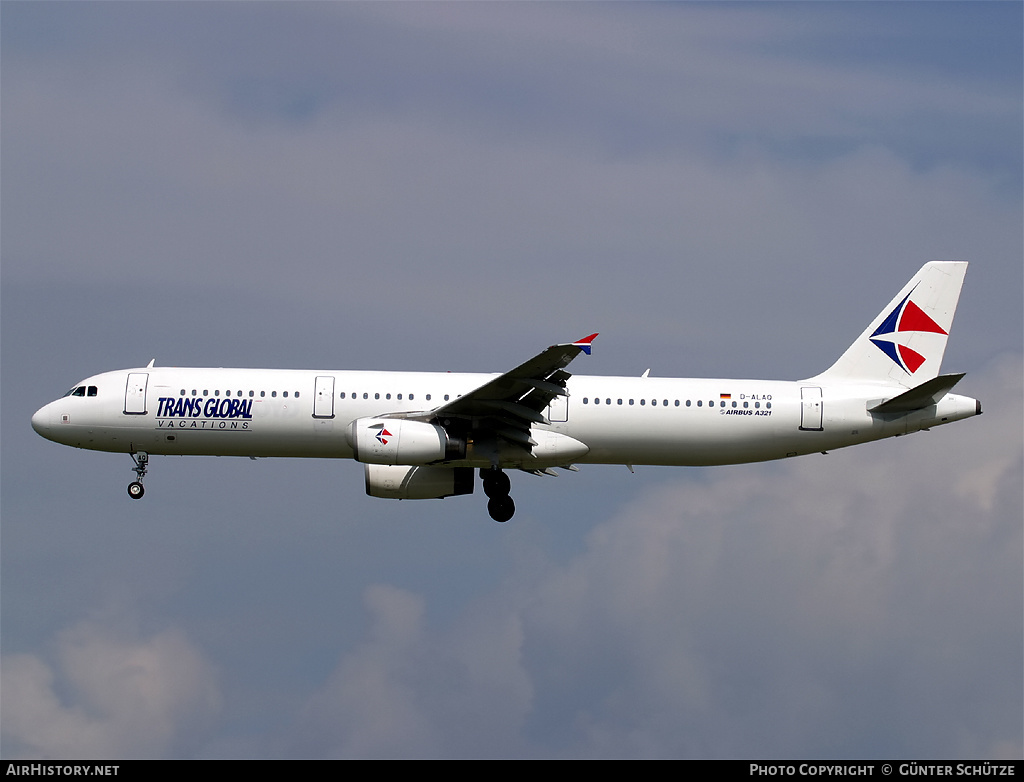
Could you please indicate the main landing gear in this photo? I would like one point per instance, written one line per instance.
(135, 488)
(496, 486)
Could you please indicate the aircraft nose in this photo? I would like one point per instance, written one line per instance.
(41, 420)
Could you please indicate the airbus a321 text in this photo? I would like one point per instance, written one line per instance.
(422, 435)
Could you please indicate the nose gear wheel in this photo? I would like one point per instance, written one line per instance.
(135, 488)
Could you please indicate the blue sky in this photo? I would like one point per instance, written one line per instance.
(719, 189)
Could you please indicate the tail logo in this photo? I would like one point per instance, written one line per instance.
(907, 317)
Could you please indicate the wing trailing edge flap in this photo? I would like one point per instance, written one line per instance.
(919, 397)
(518, 410)
(510, 404)
(549, 471)
(516, 436)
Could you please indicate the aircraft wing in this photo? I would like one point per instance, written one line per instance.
(513, 401)
(919, 397)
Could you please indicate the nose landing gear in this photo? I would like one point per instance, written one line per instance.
(135, 488)
(496, 486)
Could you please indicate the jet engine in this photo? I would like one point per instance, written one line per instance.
(402, 482)
(401, 441)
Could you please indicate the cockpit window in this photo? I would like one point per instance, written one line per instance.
(93, 391)
(80, 391)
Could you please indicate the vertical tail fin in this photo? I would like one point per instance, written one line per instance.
(904, 344)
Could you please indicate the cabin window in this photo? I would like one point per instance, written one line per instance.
(620, 401)
(183, 392)
(446, 397)
(273, 393)
(428, 397)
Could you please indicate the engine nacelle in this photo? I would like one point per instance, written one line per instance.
(402, 482)
(397, 441)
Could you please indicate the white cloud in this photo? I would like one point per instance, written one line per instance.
(108, 697)
(407, 691)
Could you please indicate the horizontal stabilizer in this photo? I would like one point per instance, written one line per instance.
(925, 395)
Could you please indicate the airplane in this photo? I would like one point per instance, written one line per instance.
(423, 435)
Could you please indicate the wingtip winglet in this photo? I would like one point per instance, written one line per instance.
(584, 344)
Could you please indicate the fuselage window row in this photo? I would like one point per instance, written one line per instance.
(377, 395)
(93, 391)
(664, 402)
(216, 392)
(81, 391)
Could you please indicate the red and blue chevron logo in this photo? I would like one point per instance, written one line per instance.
(907, 317)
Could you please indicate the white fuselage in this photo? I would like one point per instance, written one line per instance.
(619, 420)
